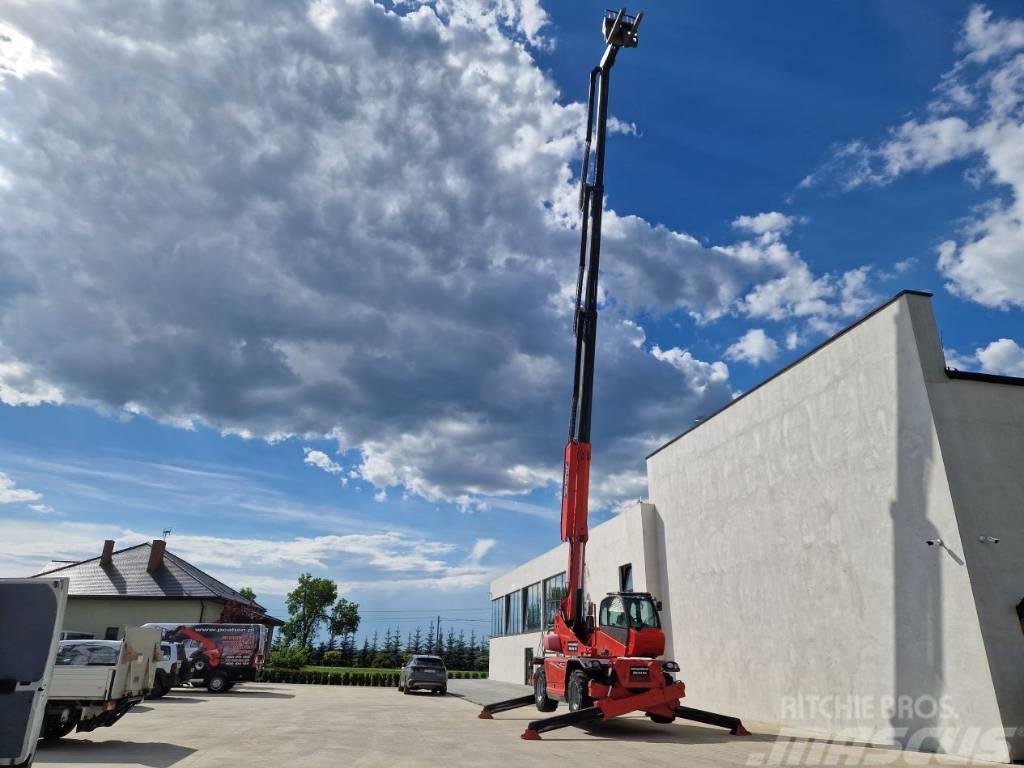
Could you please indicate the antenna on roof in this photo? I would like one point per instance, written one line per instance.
(167, 532)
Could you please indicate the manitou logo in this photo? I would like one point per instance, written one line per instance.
(639, 672)
(572, 648)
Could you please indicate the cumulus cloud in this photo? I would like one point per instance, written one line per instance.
(11, 494)
(975, 116)
(340, 219)
(321, 460)
(1003, 356)
(754, 347)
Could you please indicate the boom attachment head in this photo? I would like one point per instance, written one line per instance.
(620, 29)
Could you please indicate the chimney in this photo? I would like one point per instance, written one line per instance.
(156, 555)
(108, 552)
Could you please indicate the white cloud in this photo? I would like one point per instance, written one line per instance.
(763, 223)
(246, 268)
(10, 494)
(700, 373)
(754, 347)
(19, 56)
(387, 562)
(1003, 356)
(985, 39)
(480, 549)
(322, 461)
(42, 509)
(986, 88)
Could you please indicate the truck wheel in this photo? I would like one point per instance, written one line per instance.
(158, 689)
(576, 692)
(407, 690)
(540, 693)
(218, 683)
(54, 729)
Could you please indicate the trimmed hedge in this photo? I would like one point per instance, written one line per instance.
(372, 679)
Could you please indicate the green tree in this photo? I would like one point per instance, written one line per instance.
(308, 606)
(247, 593)
(344, 619)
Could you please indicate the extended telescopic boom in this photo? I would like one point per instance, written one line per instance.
(620, 31)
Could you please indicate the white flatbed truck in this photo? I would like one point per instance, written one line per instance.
(96, 682)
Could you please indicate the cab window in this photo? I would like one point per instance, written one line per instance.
(628, 613)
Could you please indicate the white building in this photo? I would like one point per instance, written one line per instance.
(788, 536)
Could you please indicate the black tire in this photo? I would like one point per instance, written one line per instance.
(540, 693)
(576, 691)
(54, 729)
(443, 691)
(199, 665)
(218, 683)
(407, 690)
(159, 687)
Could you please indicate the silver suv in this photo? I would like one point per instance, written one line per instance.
(424, 672)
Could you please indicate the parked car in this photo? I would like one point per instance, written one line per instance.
(173, 670)
(424, 672)
(95, 682)
(220, 655)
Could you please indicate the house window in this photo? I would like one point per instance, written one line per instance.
(112, 633)
(626, 577)
(554, 591)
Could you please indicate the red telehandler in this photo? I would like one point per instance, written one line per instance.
(606, 665)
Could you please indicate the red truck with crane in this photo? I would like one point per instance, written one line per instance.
(608, 664)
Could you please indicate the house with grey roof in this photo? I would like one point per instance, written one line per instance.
(146, 583)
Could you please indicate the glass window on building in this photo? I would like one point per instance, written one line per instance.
(626, 577)
(514, 612)
(497, 611)
(534, 607)
(554, 591)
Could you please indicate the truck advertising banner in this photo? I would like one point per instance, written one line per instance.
(223, 645)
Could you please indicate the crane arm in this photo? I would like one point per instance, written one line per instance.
(620, 30)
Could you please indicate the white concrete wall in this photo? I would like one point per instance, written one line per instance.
(980, 426)
(796, 522)
(626, 538)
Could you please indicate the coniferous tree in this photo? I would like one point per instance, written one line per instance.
(365, 654)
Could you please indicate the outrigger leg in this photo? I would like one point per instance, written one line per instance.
(487, 713)
(580, 716)
(734, 724)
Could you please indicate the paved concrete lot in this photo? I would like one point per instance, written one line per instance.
(288, 725)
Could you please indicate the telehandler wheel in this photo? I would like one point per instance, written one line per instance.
(540, 693)
(576, 692)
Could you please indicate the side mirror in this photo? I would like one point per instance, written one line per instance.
(657, 605)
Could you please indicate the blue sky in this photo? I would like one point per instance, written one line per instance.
(291, 281)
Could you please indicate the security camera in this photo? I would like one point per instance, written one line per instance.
(934, 542)
(988, 539)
